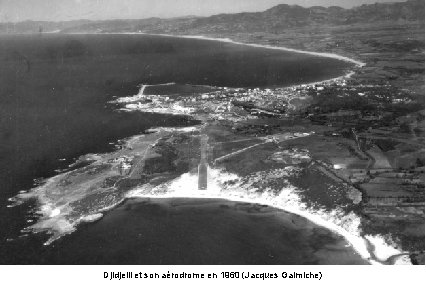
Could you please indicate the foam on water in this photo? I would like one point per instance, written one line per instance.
(382, 250)
(53, 217)
(231, 187)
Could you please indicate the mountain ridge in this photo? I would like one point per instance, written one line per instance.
(274, 19)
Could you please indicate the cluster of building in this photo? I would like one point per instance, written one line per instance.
(382, 124)
(226, 103)
(124, 164)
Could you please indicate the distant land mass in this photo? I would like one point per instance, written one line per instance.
(274, 20)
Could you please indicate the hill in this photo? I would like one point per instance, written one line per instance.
(275, 20)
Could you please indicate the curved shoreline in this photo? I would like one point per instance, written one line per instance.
(371, 248)
(362, 245)
(358, 64)
(357, 241)
(228, 40)
(349, 74)
(287, 201)
(190, 214)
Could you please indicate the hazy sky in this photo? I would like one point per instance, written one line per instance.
(59, 10)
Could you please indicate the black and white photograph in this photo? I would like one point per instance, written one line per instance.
(212, 132)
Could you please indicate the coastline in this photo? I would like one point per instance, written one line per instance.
(358, 64)
(287, 200)
(356, 241)
(228, 40)
(366, 246)
(349, 74)
(152, 224)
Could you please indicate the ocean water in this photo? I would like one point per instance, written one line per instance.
(199, 231)
(54, 91)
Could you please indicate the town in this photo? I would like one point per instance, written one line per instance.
(372, 139)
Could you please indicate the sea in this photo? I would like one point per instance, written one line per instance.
(54, 94)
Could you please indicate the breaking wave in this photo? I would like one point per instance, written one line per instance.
(232, 187)
(56, 216)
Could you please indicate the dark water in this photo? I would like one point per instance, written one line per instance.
(54, 89)
(197, 231)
